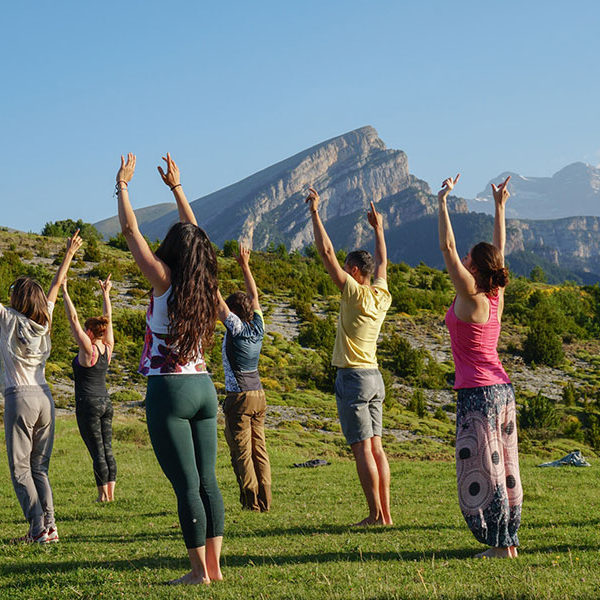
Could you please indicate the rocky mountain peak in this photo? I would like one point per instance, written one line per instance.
(349, 171)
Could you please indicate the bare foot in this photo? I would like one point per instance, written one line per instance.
(190, 579)
(513, 551)
(495, 553)
(215, 574)
(368, 521)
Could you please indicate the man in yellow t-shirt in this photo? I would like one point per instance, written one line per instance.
(359, 388)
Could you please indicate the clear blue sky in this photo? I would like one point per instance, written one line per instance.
(232, 87)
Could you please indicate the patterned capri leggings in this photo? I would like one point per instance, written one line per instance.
(94, 419)
(487, 464)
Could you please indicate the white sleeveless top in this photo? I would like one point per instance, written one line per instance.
(158, 355)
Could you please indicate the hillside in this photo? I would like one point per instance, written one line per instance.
(301, 304)
(110, 227)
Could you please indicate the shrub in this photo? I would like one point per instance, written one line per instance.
(318, 334)
(406, 361)
(388, 382)
(539, 417)
(130, 323)
(568, 394)
(537, 274)
(572, 429)
(126, 396)
(92, 251)
(417, 403)
(118, 241)
(440, 415)
(67, 228)
(231, 248)
(542, 345)
(592, 433)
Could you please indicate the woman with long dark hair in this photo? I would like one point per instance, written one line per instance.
(181, 401)
(28, 403)
(93, 407)
(487, 463)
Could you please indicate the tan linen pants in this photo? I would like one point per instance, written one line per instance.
(245, 435)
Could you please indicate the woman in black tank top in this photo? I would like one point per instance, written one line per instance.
(92, 403)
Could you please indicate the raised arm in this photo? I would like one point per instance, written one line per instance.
(151, 266)
(243, 259)
(82, 339)
(173, 180)
(501, 195)
(376, 222)
(222, 308)
(323, 243)
(73, 244)
(109, 338)
(463, 281)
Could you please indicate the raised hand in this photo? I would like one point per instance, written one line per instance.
(243, 258)
(171, 177)
(74, 243)
(126, 170)
(312, 200)
(105, 285)
(500, 192)
(448, 186)
(375, 219)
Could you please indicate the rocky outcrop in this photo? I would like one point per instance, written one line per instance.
(349, 172)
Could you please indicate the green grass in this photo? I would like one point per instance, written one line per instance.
(303, 547)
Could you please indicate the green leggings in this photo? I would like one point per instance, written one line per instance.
(181, 412)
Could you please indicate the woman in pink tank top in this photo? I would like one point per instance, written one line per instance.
(487, 465)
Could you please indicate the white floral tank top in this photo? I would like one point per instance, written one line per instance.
(158, 355)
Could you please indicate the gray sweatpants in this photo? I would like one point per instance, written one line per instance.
(29, 429)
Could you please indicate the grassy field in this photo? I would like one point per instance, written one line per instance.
(303, 548)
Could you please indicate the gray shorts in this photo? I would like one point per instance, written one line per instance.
(359, 394)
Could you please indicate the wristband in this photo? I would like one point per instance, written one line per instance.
(175, 186)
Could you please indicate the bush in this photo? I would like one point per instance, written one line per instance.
(130, 323)
(572, 429)
(318, 334)
(405, 361)
(538, 416)
(388, 382)
(542, 345)
(568, 394)
(68, 227)
(417, 403)
(592, 434)
(440, 415)
(537, 275)
(92, 251)
(126, 396)
(118, 241)
(231, 248)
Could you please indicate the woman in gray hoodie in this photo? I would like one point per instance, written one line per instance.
(28, 403)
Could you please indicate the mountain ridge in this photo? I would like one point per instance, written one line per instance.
(354, 168)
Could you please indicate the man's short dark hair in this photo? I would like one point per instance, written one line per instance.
(363, 260)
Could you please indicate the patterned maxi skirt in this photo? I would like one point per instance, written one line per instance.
(487, 464)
